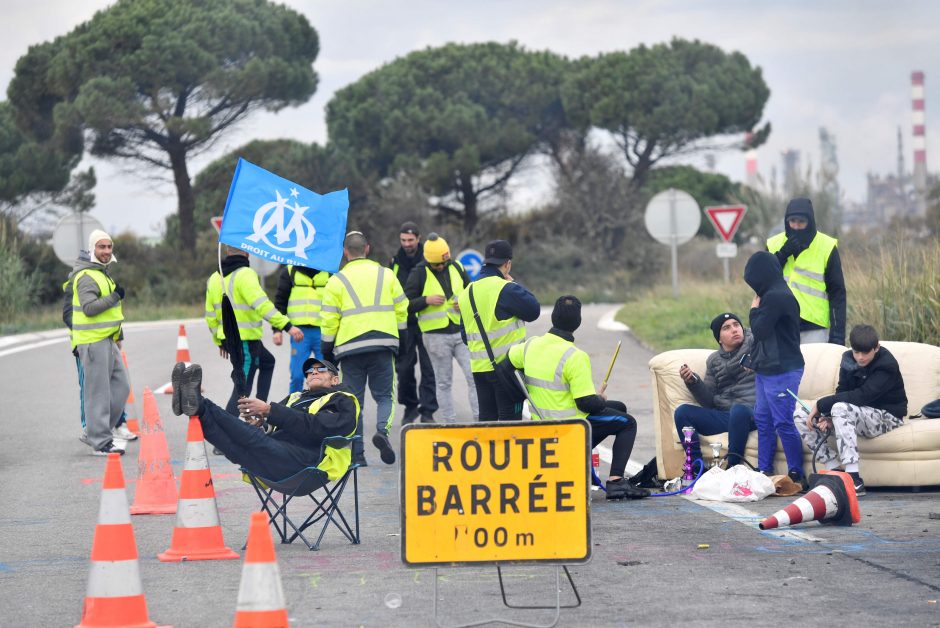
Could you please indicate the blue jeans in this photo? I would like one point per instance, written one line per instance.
(300, 351)
(773, 413)
(738, 422)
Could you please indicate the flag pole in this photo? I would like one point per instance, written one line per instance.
(612, 360)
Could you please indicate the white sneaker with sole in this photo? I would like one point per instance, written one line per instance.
(121, 432)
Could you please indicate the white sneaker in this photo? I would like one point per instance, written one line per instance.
(122, 433)
(108, 448)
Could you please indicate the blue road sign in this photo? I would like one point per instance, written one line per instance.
(472, 261)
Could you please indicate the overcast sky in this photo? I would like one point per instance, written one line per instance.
(843, 64)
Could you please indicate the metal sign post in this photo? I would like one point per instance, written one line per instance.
(672, 217)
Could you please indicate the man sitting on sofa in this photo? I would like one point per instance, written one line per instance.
(870, 400)
(726, 395)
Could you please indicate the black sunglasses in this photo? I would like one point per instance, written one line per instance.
(317, 369)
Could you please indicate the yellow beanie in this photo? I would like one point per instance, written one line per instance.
(436, 250)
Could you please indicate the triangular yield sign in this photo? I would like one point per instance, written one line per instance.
(217, 223)
(726, 219)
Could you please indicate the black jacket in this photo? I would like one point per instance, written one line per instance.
(402, 265)
(296, 425)
(775, 323)
(878, 385)
(797, 242)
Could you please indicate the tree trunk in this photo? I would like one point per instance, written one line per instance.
(186, 199)
(470, 215)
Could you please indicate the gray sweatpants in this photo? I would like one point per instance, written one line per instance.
(443, 349)
(814, 335)
(848, 422)
(106, 389)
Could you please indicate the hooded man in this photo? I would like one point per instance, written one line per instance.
(95, 323)
(240, 342)
(777, 362)
(558, 379)
(813, 270)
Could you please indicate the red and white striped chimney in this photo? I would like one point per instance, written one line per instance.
(750, 163)
(920, 139)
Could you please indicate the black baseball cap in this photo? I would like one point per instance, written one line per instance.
(409, 227)
(314, 361)
(497, 252)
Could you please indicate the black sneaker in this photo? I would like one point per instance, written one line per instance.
(411, 413)
(108, 448)
(175, 381)
(359, 461)
(650, 483)
(427, 417)
(859, 483)
(190, 387)
(386, 452)
(798, 477)
(622, 489)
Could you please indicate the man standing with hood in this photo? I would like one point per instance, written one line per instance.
(96, 330)
(777, 363)
(813, 270)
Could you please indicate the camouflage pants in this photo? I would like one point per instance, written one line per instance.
(848, 423)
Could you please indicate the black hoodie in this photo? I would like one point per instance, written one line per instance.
(798, 240)
(775, 323)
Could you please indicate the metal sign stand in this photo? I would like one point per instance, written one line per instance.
(505, 620)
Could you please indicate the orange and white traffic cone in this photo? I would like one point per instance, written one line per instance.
(182, 355)
(131, 406)
(832, 500)
(156, 487)
(260, 594)
(198, 534)
(115, 596)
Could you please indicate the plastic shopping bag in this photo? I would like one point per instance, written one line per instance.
(737, 484)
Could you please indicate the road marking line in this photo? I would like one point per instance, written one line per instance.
(741, 514)
(35, 345)
(607, 322)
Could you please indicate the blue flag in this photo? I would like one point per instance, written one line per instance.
(283, 222)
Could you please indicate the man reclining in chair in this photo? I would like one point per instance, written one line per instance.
(301, 422)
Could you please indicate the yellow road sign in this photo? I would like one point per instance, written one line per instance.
(506, 492)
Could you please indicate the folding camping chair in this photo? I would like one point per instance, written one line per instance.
(315, 484)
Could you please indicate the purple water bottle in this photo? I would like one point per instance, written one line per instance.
(687, 476)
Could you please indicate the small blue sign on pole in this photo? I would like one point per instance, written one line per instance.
(472, 262)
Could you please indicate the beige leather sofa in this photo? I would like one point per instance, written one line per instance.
(906, 456)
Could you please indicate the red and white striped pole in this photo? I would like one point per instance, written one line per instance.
(920, 139)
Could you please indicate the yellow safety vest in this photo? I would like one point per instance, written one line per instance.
(363, 298)
(305, 301)
(214, 308)
(107, 324)
(335, 459)
(440, 316)
(501, 334)
(543, 360)
(806, 276)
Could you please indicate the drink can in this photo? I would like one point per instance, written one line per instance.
(596, 460)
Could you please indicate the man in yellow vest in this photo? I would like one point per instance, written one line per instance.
(298, 424)
(503, 307)
(433, 289)
(250, 307)
(96, 332)
(299, 297)
(558, 379)
(813, 270)
(364, 309)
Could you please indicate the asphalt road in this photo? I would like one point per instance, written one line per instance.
(647, 567)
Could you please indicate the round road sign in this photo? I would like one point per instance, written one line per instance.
(71, 235)
(673, 217)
